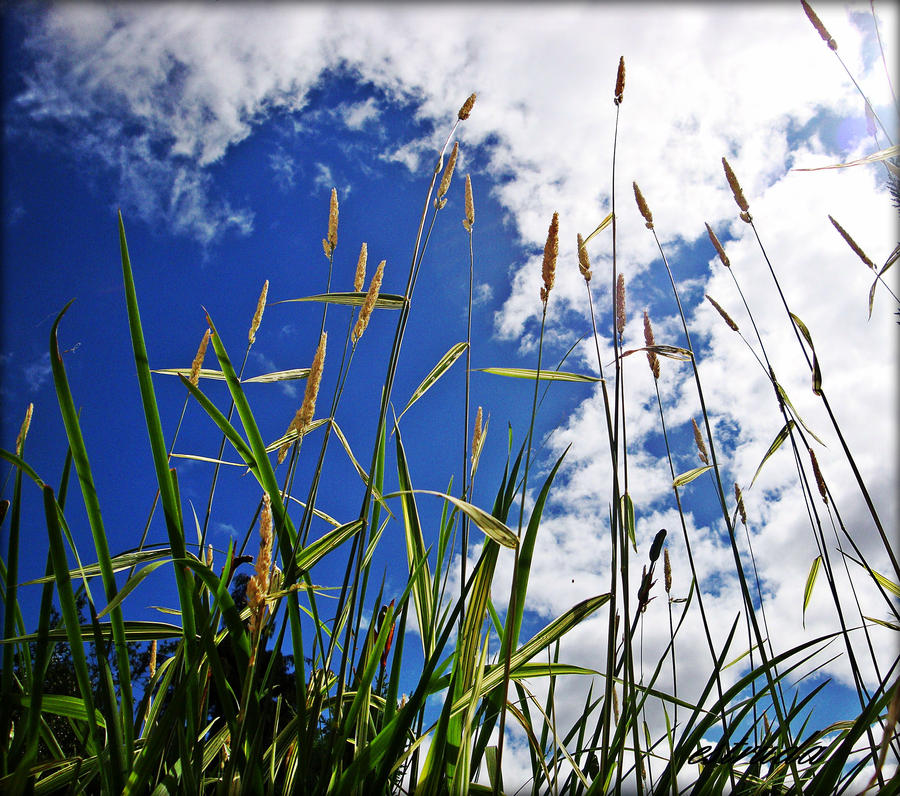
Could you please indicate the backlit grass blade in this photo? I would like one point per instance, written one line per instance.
(600, 227)
(810, 583)
(385, 301)
(776, 444)
(95, 519)
(875, 157)
(119, 563)
(816, 372)
(310, 555)
(545, 375)
(217, 375)
(690, 475)
(443, 365)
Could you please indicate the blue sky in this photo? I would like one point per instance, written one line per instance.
(220, 132)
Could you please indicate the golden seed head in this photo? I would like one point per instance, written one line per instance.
(469, 220)
(817, 24)
(551, 251)
(257, 316)
(360, 276)
(701, 445)
(620, 305)
(476, 433)
(152, 658)
(736, 189)
(209, 556)
(197, 364)
(466, 108)
(305, 413)
(369, 304)
(332, 223)
(642, 206)
(620, 81)
(718, 247)
(258, 585)
(725, 316)
(23, 429)
(852, 244)
(584, 262)
(649, 341)
(448, 174)
(740, 503)
(820, 481)
(667, 571)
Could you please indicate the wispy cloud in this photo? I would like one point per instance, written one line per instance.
(37, 373)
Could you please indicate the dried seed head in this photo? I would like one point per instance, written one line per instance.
(820, 481)
(652, 359)
(740, 504)
(620, 305)
(448, 174)
(257, 316)
(469, 220)
(305, 413)
(209, 556)
(551, 251)
(642, 206)
(258, 585)
(852, 244)
(369, 304)
(23, 429)
(718, 247)
(476, 433)
(725, 316)
(360, 276)
(152, 658)
(466, 108)
(667, 571)
(620, 81)
(736, 190)
(817, 24)
(701, 445)
(584, 263)
(197, 364)
(332, 223)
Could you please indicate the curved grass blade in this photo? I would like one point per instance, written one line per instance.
(442, 366)
(385, 301)
(690, 475)
(600, 227)
(310, 555)
(816, 372)
(810, 582)
(776, 444)
(545, 375)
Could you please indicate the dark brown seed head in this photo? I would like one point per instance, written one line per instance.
(620, 82)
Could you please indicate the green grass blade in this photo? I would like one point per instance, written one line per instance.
(776, 444)
(690, 475)
(385, 301)
(545, 375)
(810, 582)
(310, 555)
(443, 365)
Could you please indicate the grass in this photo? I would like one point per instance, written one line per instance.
(213, 716)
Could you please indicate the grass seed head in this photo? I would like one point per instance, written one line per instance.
(736, 190)
(718, 247)
(332, 223)
(584, 262)
(551, 252)
(667, 571)
(360, 276)
(152, 658)
(701, 445)
(469, 220)
(258, 585)
(257, 316)
(852, 244)
(740, 504)
(197, 364)
(817, 24)
(369, 304)
(23, 429)
(466, 108)
(642, 206)
(447, 176)
(620, 305)
(820, 481)
(652, 359)
(620, 82)
(305, 413)
(725, 316)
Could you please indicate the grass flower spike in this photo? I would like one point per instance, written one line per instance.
(551, 252)
(817, 24)
(642, 206)
(359, 277)
(620, 82)
(725, 316)
(257, 316)
(652, 359)
(369, 304)
(258, 586)
(439, 200)
(718, 247)
(469, 220)
(736, 190)
(333, 222)
(701, 445)
(466, 108)
(26, 424)
(584, 262)
(305, 413)
(620, 305)
(197, 364)
(852, 244)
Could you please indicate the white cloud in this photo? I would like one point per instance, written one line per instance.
(37, 373)
(703, 81)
